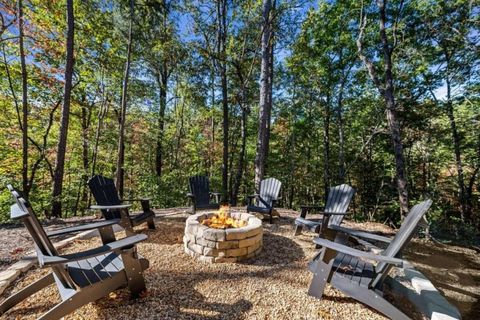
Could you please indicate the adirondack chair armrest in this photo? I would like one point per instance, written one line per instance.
(112, 207)
(216, 195)
(250, 198)
(357, 253)
(311, 207)
(326, 213)
(136, 199)
(305, 209)
(118, 245)
(361, 234)
(84, 227)
(190, 195)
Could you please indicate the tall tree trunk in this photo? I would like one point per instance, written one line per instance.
(241, 156)
(465, 209)
(393, 122)
(85, 121)
(222, 32)
(162, 80)
(26, 186)
(341, 140)
(326, 149)
(265, 107)
(123, 112)
(62, 141)
(101, 115)
(387, 91)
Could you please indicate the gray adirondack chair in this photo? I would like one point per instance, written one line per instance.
(104, 227)
(350, 270)
(264, 201)
(339, 198)
(112, 207)
(200, 195)
(81, 277)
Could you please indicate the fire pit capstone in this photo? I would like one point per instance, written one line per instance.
(223, 245)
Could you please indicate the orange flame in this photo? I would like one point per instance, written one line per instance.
(222, 220)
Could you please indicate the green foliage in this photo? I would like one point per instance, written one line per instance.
(319, 84)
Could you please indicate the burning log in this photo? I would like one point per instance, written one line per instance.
(223, 220)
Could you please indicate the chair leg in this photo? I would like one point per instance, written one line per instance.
(320, 278)
(271, 217)
(151, 223)
(26, 292)
(107, 235)
(298, 230)
(369, 297)
(86, 295)
(133, 269)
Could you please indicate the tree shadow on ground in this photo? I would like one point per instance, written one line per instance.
(277, 250)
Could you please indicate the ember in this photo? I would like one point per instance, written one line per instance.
(223, 220)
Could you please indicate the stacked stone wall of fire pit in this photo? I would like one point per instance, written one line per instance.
(223, 245)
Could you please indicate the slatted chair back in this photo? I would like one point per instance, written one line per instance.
(43, 246)
(338, 200)
(269, 191)
(403, 236)
(105, 194)
(200, 188)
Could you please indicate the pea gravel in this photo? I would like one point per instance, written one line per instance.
(271, 286)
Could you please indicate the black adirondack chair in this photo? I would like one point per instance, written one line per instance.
(200, 195)
(112, 207)
(266, 199)
(339, 198)
(350, 270)
(81, 277)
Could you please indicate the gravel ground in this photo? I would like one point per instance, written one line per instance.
(271, 286)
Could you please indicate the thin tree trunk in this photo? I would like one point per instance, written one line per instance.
(123, 113)
(393, 122)
(101, 115)
(387, 91)
(62, 142)
(222, 26)
(162, 80)
(265, 92)
(241, 156)
(326, 149)
(341, 140)
(25, 184)
(85, 121)
(464, 208)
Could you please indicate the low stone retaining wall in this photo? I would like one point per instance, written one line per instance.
(416, 287)
(223, 245)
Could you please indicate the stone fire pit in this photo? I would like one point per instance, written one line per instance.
(223, 245)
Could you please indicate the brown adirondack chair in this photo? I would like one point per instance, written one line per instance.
(81, 277)
(352, 272)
